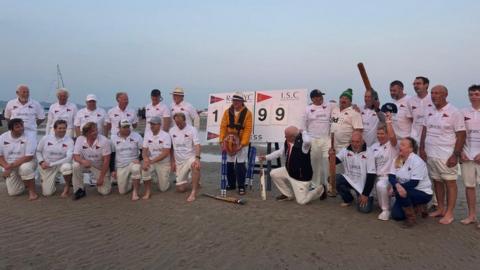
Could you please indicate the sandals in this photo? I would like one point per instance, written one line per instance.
(241, 191)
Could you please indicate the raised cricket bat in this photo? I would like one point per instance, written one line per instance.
(263, 190)
(363, 73)
(332, 166)
(240, 201)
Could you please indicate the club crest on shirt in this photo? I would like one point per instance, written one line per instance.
(312, 110)
(128, 114)
(467, 118)
(14, 107)
(64, 145)
(68, 110)
(116, 115)
(55, 111)
(98, 115)
(364, 157)
(174, 136)
(86, 116)
(430, 114)
(132, 140)
(413, 107)
(49, 143)
(30, 106)
(160, 141)
(150, 141)
(181, 109)
(409, 169)
(118, 142)
(22, 142)
(84, 147)
(324, 107)
(6, 143)
(186, 135)
(349, 155)
(402, 106)
(97, 147)
(445, 115)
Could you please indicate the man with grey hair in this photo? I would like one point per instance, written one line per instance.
(27, 109)
(120, 112)
(91, 113)
(295, 178)
(441, 144)
(61, 110)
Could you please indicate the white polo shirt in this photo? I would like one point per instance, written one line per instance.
(402, 123)
(472, 125)
(357, 165)
(317, 120)
(414, 168)
(161, 110)
(384, 155)
(190, 112)
(370, 122)
(157, 143)
(13, 149)
(126, 149)
(184, 141)
(55, 151)
(101, 147)
(343, 123)
(97, 116)
(417, 108)
(65, 112)
(115, 114)
(28, 112)
(441, 127)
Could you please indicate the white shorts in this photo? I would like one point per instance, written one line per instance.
(470, 174)
(438, 170)
(125, 176)
(162, 170)
(183, 171)
(240, 157)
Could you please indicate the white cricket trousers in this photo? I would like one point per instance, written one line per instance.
(291, 187)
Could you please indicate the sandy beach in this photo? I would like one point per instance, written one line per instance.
(166, 232)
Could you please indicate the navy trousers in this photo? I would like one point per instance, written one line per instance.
(414, 197)
(344, 189)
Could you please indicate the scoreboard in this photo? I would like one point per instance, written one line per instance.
(272, 111)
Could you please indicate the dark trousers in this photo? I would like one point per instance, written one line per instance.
(344, 189)
(236, 175)
(414, 198)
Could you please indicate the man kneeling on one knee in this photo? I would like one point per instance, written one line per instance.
(295, 178)
(359, 175)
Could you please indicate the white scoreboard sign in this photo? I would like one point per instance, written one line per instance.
(273, 111)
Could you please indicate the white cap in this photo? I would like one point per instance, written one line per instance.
(124, 123)
(91, 97)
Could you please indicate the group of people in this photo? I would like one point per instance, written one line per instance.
(405, 153)
(100, 147)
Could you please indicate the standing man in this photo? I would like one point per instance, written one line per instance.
(120, 112)
(344, 121)
(91, 154)
(157, 109)
(29, 110)
(370, 117)
(294, 180)
(317, 123)
(156, 157)
(54, 155)
(441, 145)
(471, 152)
(16, 158)
(126, 151)
(186, 155)
(61, 110)
(417, 106)
(359, 173)
(402, 121)
(91, 113)
(179, 105)
(236, 127)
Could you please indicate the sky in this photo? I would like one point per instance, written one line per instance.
(206, 47)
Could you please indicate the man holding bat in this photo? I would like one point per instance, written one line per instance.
(294, 179)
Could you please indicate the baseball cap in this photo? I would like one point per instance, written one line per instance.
(155, 93)
(389, 107)
(91, 97)
(316, 93)
(238, 96)
(155, 120)
(124, 123)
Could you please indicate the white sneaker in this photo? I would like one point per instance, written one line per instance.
(385, 215)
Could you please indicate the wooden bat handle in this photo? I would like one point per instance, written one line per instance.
(363, 74)
(332, 166)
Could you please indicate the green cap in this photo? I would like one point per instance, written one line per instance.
(347, 93)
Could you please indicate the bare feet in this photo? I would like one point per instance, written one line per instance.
(437, 213)
(343, 204)
(135, 197)
(146, 196)
(32, 196)
(191, 198)
(468, 220)
(65, 193)
(447, 219)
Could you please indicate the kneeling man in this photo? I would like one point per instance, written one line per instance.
(54, 155)
(295, 178)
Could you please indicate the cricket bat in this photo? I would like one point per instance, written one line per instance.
(263, 190)
(332, 167)
(240, 201)
(363, 74)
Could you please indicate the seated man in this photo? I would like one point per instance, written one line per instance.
(359, 173)
(54, 155)
(156, 157)
(294, 179)
(16, 158)
(127, 146)
(91, 154)
(186, 154)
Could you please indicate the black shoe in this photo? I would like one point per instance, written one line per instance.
(282, 198)
(324, 194)
(80, 193)
(231, 188)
